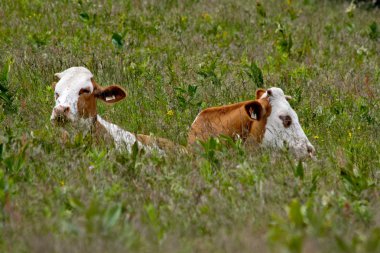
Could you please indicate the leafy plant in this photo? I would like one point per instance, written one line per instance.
(374, 31)
(208, 71)
(210, 147)
(6, 97)
(118, 40)
(284, 40)
(186, 96)
(255, 74)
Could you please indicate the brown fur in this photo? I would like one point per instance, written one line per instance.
(161, 143)
(87, 106)
(87, 102)
(232, 120)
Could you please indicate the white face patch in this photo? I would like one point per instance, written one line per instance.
(283, 127)
(67, 90)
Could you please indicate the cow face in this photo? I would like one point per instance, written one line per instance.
(283, 127)
(76, 93)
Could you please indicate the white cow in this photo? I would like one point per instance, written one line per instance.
(283, 127)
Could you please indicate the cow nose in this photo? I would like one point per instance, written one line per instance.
(61, 110)
(310, 149)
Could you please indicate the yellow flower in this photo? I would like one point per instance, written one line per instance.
(62, 183)
(206, 17)
(183, 19)
(350, 135)
(316, 137)
(170, 113)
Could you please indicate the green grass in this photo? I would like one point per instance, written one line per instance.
(183, 56)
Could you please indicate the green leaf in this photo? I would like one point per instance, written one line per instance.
(295, 214)
(342, 244)
(299, 171)
(256, 75)
(84, 16)
(260, 10)
(374, 32)
(152, 213)
(117, 40)
(6, 97)
(373, 243)
(112, 215)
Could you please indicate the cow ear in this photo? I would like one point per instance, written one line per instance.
(53, 85)
(58, 76)
(259, 93)
(110, 94)
(254, 110)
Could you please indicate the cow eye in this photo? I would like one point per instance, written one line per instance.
(84, 91)
(286, 120)
(56, 96)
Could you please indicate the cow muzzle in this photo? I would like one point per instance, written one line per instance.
(61, 114)
(303, 151)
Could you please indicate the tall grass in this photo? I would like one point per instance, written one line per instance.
(175, 58)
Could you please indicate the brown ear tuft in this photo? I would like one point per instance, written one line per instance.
(259, 93)
(53, 85)
(254, 110)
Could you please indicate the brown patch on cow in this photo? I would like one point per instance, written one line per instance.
(232, 120)
(87, 105)
(259, 93)
(258, 127)
(161, 143)
(286, 120)
(109, 94)
(101, 135)
(254, 110)
(87, 101)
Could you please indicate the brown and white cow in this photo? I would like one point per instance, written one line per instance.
(76, 93)
(243, 120)
(269, 121)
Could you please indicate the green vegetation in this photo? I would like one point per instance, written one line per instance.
(174, 58)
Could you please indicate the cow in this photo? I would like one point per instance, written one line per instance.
(268, 121)
(75, 95)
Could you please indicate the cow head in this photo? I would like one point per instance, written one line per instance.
(76, 93)
(283, 127)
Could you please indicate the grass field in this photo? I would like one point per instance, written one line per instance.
(175, 58)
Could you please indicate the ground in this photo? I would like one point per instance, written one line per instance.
(174, 58)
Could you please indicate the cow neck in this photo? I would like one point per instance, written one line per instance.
(121, 137)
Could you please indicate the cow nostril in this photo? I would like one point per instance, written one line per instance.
(310, 149)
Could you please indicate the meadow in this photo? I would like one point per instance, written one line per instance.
(175, 58)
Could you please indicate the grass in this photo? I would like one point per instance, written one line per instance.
(175, 58)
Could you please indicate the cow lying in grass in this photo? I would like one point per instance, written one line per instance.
(268, 121)
(76, 93)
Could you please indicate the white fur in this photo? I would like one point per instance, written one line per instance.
(121, 137)
(67, 89)
(276, 135)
